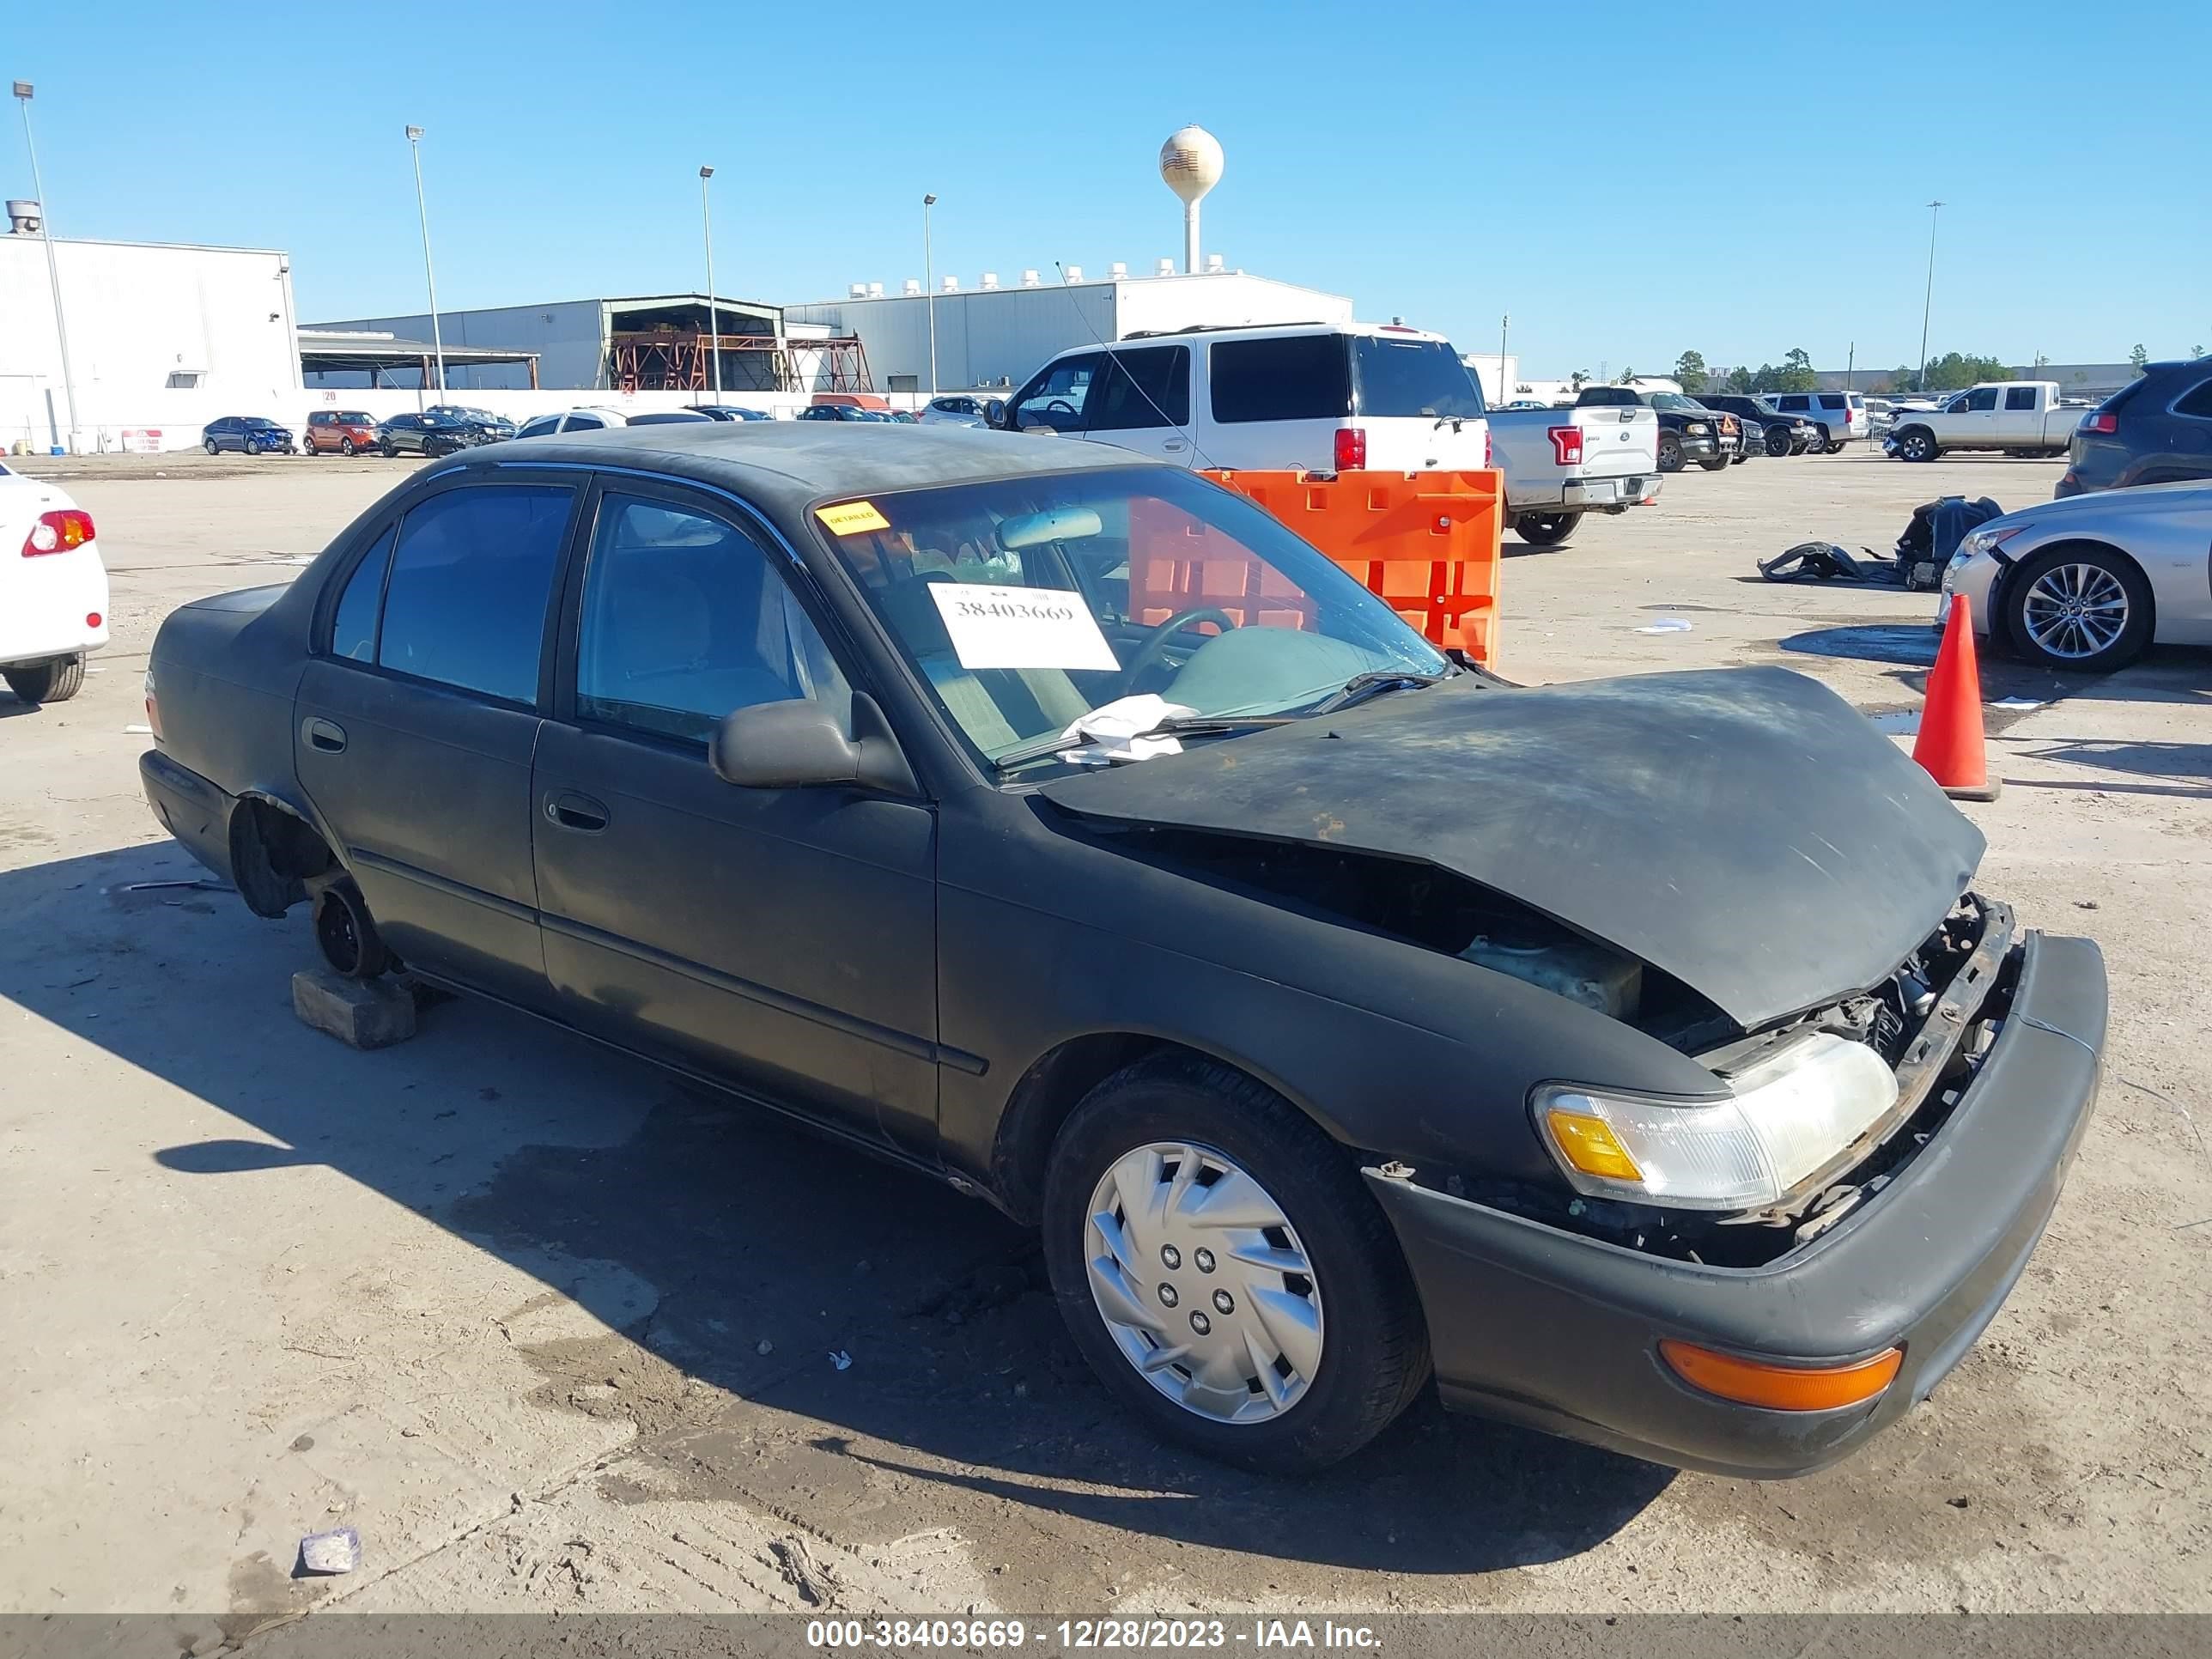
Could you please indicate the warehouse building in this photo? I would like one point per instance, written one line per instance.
(996, 336)
(649, 342)
(162, 338)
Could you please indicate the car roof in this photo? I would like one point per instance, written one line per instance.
(787, 464)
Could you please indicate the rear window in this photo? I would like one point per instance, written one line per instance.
(1300, 377)
(1412, 378)
(2196, 402)
(1606, 397)
(1832, 400)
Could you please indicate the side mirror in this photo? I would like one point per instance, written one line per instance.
(995, 412)
(800, 746)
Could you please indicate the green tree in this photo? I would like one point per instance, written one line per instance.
(1954, 370)
(1578, 379)
(2040, 360)
(1627, 376)
(1796, 373)
(2138, 356)
(2196, 351)
(1689, 369)
(1741, 379)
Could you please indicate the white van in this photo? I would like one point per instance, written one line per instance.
(1316, 396)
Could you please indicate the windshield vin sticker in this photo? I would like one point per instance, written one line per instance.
(1021, 627)
(851, 518)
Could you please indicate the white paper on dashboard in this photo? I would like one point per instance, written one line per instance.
(1021, 627)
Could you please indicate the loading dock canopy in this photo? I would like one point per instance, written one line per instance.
(325, 351)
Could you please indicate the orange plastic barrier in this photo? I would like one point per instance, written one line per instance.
(1425, 542)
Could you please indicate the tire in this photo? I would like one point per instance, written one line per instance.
(391, 450)
(1743, 454)
(1545, 529)
(253, 446)
(345, 447)
(2109, 630)
(211, 446)
(1778, 441)
(1835, 447)
(49, 682)
(1366, 1346)
(347, 933)
(1670, 453)
(1715, 463)
(1823, 442)
(1917, 443)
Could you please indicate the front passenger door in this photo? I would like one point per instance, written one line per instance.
(1142, 402)
(783, 940)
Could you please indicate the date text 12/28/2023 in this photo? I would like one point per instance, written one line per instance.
(1086, 1635)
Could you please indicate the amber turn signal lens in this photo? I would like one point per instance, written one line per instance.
(1590, 1144)
(1781, 1388)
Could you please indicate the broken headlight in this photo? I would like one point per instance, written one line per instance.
(1786, 1117)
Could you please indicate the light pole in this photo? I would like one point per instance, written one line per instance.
(1504, 323)
(929, 290)
(713, 324)
(430, 276)
(1929, 299)
(53, 271)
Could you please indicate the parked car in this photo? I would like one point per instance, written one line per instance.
(250, 434)
(2021, 417)
(53, 589)
(729, 412)
(428, 435)
(338, 432)
(1562, 462)
(572, 419)
(1387, 1012)
(1688, 431)
(1314, 395)
(2091, 581)
(1766, 430)
(494, 426)
(2155, 430)
(672, 417)
(958, 409)
(841, 412)
(1839, 415)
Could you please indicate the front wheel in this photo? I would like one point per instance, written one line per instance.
(345, 446)
(1545, 529)
(253, 446)
(211, 446)
(1778, 441)
(1918, 445)
(1715, 463)
(1670, 453)
(1225, 1271)
(48, 682)
(2085, 608)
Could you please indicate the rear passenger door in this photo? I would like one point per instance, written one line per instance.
(2019, 422)
(416, 718)
(1142, 402)
(1275, 402)
(783, 940)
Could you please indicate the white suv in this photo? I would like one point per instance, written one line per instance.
(53, 590)
(1309, 396)
(1841, 416)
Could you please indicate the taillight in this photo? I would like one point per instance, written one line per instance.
(2101, 422)
(153, 708)
(1485, 446)
(57, 532)
(1566, 445)
(1350, 448)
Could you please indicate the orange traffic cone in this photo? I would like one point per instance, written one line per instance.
(1950, 746)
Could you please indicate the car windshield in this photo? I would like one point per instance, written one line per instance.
(1676, 400)
(1026, 603)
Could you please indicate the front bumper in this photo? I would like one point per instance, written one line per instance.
(1560, 1332)
(1699, 445)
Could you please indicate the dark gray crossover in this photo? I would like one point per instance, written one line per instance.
(1636, 1056)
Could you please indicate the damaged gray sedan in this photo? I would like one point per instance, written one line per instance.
(1635, 1057)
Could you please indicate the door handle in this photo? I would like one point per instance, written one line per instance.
(571, 811)
(325, 735)
(1173, 444)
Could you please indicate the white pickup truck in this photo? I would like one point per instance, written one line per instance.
(1562, 462)
(2022, 418)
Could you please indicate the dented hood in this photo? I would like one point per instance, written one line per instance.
(1745, 830)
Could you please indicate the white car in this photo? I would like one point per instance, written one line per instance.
(2089, 582)
(53, 589)
(1317, 397)
(574, 420)
(956, 409)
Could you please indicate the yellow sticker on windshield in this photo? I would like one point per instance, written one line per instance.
(851, 518)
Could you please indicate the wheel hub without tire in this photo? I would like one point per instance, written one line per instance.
(2075, 610)
(1203, 1283)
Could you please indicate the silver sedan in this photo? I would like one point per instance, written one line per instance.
(2091, 581)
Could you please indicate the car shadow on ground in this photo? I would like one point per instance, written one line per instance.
(766, 1251)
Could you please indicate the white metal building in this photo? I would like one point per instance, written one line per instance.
(163, 337)
(991, 335)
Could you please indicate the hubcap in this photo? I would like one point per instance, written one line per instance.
(2075, 610)
(1254, 1355)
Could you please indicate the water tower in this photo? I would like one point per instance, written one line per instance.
(1190, 163)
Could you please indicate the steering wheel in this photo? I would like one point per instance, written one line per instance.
(1156, 643)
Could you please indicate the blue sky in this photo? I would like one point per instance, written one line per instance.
(1581, 167)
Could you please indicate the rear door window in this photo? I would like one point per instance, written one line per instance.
(470, 573)
(2019, 396)
(1795, 403)
(1148, 387)
(1832, 400)
(1414, 379)
(1300, 377)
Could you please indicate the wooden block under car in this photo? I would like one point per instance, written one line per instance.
(363, 1013)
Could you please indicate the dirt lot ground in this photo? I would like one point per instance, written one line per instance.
(556, 1332)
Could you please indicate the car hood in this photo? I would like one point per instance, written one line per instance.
(1744, 830)
(2114, 504)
